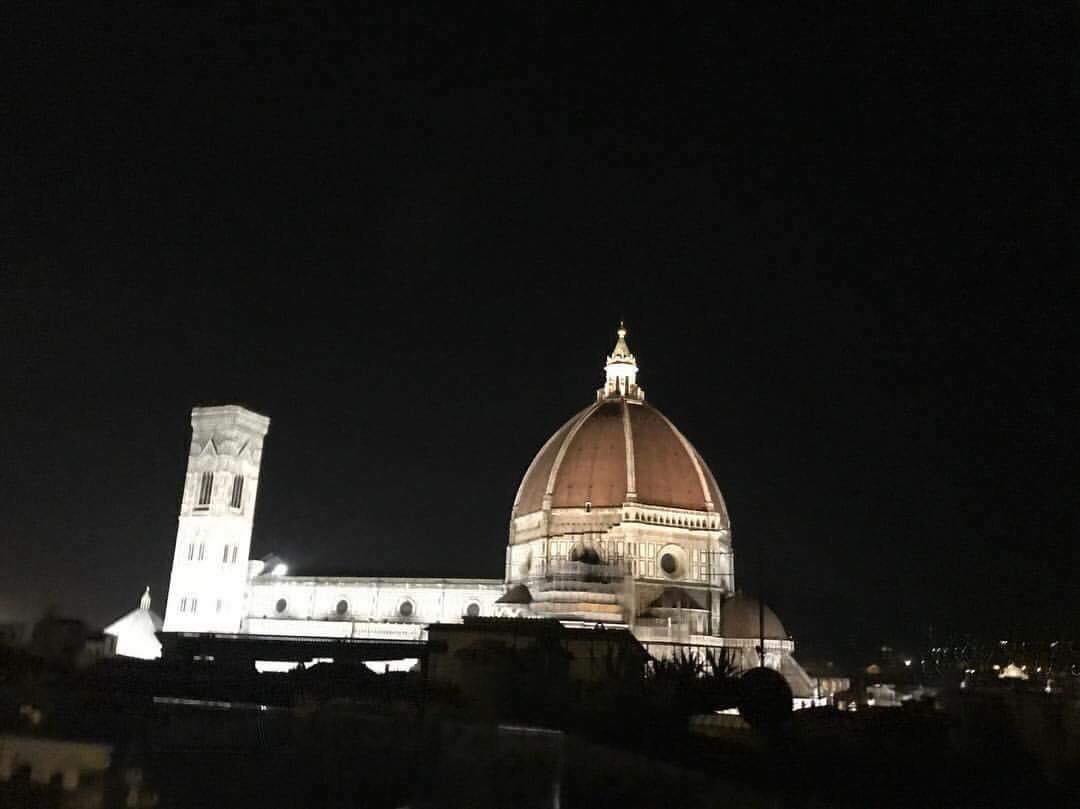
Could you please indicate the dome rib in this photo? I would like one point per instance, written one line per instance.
(695, 459)
(631, 468)
(665, 473)
(549, 488)
(527, 494)
(719, 504)
(591, 468)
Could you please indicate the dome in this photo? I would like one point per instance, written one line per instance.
(740, 616)
(618, 483)
(615, 451)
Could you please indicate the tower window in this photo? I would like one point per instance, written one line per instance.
(191, 551)
(194, 605)
(473, 610)
(234, 550)
(237, 498)
(342, 607)
(183, 605)
(206, 489)
(405, 610)
(202, 551)
(220, 604)
(225, 554)
(281, 605)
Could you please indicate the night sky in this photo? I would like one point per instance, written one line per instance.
(842, 243)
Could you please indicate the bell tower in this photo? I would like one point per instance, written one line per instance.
(213, 538)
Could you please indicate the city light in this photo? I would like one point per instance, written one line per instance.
(280, 569)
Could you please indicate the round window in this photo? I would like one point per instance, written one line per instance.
(281, 605)
(342, 607)
(669, 564)
(406, 609)
(472, 610)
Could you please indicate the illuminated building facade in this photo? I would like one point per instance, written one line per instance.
(618, 520)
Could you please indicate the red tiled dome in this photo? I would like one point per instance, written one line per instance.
(615, 451)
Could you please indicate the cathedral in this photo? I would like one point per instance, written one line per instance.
(617, 521)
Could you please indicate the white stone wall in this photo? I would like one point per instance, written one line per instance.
(213, 540)
(636, 534)
(373, 607)
(634, 537)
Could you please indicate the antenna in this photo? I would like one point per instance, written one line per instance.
(761, 604)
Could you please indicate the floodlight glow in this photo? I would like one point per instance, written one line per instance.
(280, 569)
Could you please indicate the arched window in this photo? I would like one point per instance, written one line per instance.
(585, 553)
(206, 489)
(342, 607)
(473, 610)
(405, 609)
(281, 605)
(237, 498)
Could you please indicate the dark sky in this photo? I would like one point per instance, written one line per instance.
(844, 244)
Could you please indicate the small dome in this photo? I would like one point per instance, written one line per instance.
(740, 616)
(517, 594)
